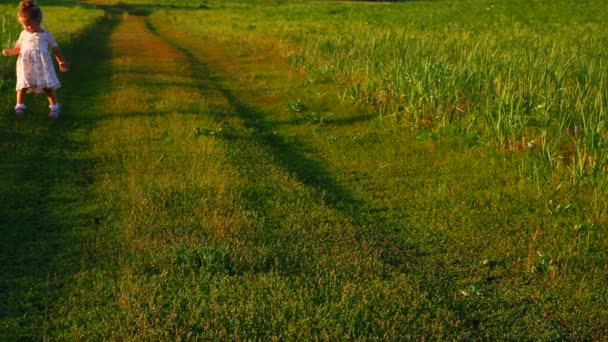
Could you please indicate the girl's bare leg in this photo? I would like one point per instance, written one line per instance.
(21, 96)
(20, 106)
(50, 94)
(54, 106)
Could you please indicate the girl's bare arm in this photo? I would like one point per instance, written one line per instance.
(63, 66)
(13, 51)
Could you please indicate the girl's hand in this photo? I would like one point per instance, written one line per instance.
(63, 66)
(6, 52)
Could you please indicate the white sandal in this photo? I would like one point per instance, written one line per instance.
(20, 109)
(54, 113)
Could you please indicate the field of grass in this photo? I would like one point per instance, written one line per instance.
(255, 170)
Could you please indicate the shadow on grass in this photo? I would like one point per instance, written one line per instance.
(44, 205)
(288, 153)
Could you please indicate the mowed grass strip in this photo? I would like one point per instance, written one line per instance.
(154, 176)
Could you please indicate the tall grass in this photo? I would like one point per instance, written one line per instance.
(517, 73)
(8, 36)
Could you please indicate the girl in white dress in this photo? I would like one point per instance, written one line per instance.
(35, 68)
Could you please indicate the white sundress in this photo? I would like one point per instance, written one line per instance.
(35, 68)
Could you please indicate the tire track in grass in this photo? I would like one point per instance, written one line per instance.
(260, 156)
(167, 193)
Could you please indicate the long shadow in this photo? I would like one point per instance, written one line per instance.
(290, 154)
(396, 250)
(44, 206)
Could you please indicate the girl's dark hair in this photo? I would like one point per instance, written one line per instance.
(29, 9)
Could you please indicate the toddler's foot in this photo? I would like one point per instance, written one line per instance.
(54, 113)
(20, 109)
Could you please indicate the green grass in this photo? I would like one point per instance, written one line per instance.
(507, 73)
(209, 180)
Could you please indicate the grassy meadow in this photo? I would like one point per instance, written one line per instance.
(310, 170)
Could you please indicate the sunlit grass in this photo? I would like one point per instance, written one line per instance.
(214, 180)
(506, 73)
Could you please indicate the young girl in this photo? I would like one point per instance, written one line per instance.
(35, 69)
